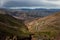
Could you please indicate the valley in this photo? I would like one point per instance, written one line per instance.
(30, 24)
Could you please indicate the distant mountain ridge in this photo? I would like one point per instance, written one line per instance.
(27, 14)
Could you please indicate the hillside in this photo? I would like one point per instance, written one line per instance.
(10, 26)
(47, 27)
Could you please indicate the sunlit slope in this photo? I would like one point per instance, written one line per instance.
(49, 26)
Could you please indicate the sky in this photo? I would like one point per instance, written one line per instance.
(29, 4)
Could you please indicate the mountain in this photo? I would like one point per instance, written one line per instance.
(47, 28)
(10, 26)
(33, 13)
(41, 24)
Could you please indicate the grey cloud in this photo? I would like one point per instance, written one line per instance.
(26, 4)
(52, 0)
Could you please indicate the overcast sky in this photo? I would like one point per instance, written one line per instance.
(30, 3)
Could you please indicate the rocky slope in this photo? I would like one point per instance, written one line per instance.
(47, 28)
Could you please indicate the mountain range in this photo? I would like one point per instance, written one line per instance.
(31, 14)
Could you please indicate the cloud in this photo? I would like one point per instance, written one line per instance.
(53, 0)
(2, 2)
(23, 4)
(30, 3)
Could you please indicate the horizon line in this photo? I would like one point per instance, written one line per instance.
(31, 7)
